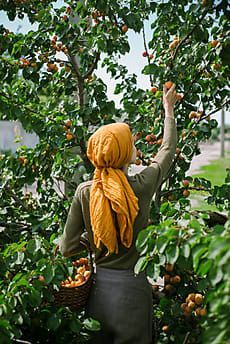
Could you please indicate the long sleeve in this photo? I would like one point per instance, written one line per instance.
(166, 154)
(74, 227)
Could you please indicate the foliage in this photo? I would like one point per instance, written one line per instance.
(192, 258)
(49, 83)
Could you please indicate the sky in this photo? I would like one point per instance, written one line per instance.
(133, 60)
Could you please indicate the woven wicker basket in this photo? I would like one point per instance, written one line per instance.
(75, 297)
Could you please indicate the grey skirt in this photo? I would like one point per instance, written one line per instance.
(122, 302)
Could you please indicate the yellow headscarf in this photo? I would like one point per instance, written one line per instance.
(113, 204)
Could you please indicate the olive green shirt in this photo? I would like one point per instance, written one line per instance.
(144, 185)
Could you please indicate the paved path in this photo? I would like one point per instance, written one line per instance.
(209, 151)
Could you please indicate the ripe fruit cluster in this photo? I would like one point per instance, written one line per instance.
(152, 139)
(66, 128)
(170, 280)
(195, 115)
(82, 274)
(23, 160)
(58, 46)
(145, 54)
(24, 62)
(52, 67)
(192, 305)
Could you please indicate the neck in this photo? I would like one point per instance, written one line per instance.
(125, 169)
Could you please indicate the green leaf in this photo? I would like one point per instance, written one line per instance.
(215, 275)
(140, 265)
(172, 254)
(204, 267)
(48, 273)
(91, 324)
(197, 253)
(185, 250)
(54, 322)
(75, 325)
(35, 298)
(142, 239)
(161, 243)
(194, 224)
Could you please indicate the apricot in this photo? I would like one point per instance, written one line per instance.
(165, 328)
(199, 299)
(175, 280)
(145, 53)
(191, 305)
(183, 306)
(159, 142)
(151, 56)
(214, 43)
(167, 278)
(154, 89)
(203, 312)
(169, 267)
(169, 289)
(148, 138)
(69, 136)
(124, 28)
(81, 270)
(68, 123)
(193, 114)
(42, 279)
(186, 193)
(168, 84)
(191, 297)
(83, 261)
(185, 182)
(138, 162)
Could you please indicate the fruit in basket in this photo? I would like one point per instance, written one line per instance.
(82, 274)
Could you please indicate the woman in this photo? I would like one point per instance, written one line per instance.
(112, 209)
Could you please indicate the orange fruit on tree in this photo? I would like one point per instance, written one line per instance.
(169, 267)
(168, 84)
(69, 136)
(138, 162)
(124, 28)
(191, 305)
(154, 89)
(193, 114)
(203, 312)
(41, 279)
(191, 297)
(199, 299)
(214, 43)
(175, 279)
(186, 193)
(185, 182)
(165, 328)
(68, 123)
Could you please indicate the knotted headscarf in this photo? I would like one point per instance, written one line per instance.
(113, 204)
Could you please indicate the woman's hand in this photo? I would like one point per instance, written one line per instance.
(169, 100)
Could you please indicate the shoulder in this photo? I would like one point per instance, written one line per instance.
(145, 175)
(83, 188)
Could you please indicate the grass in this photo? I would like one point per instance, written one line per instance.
(216, 173)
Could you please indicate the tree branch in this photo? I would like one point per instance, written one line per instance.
(146, 49)
(166, 192)
(93, 66)
(186, 37)
(76, 67)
